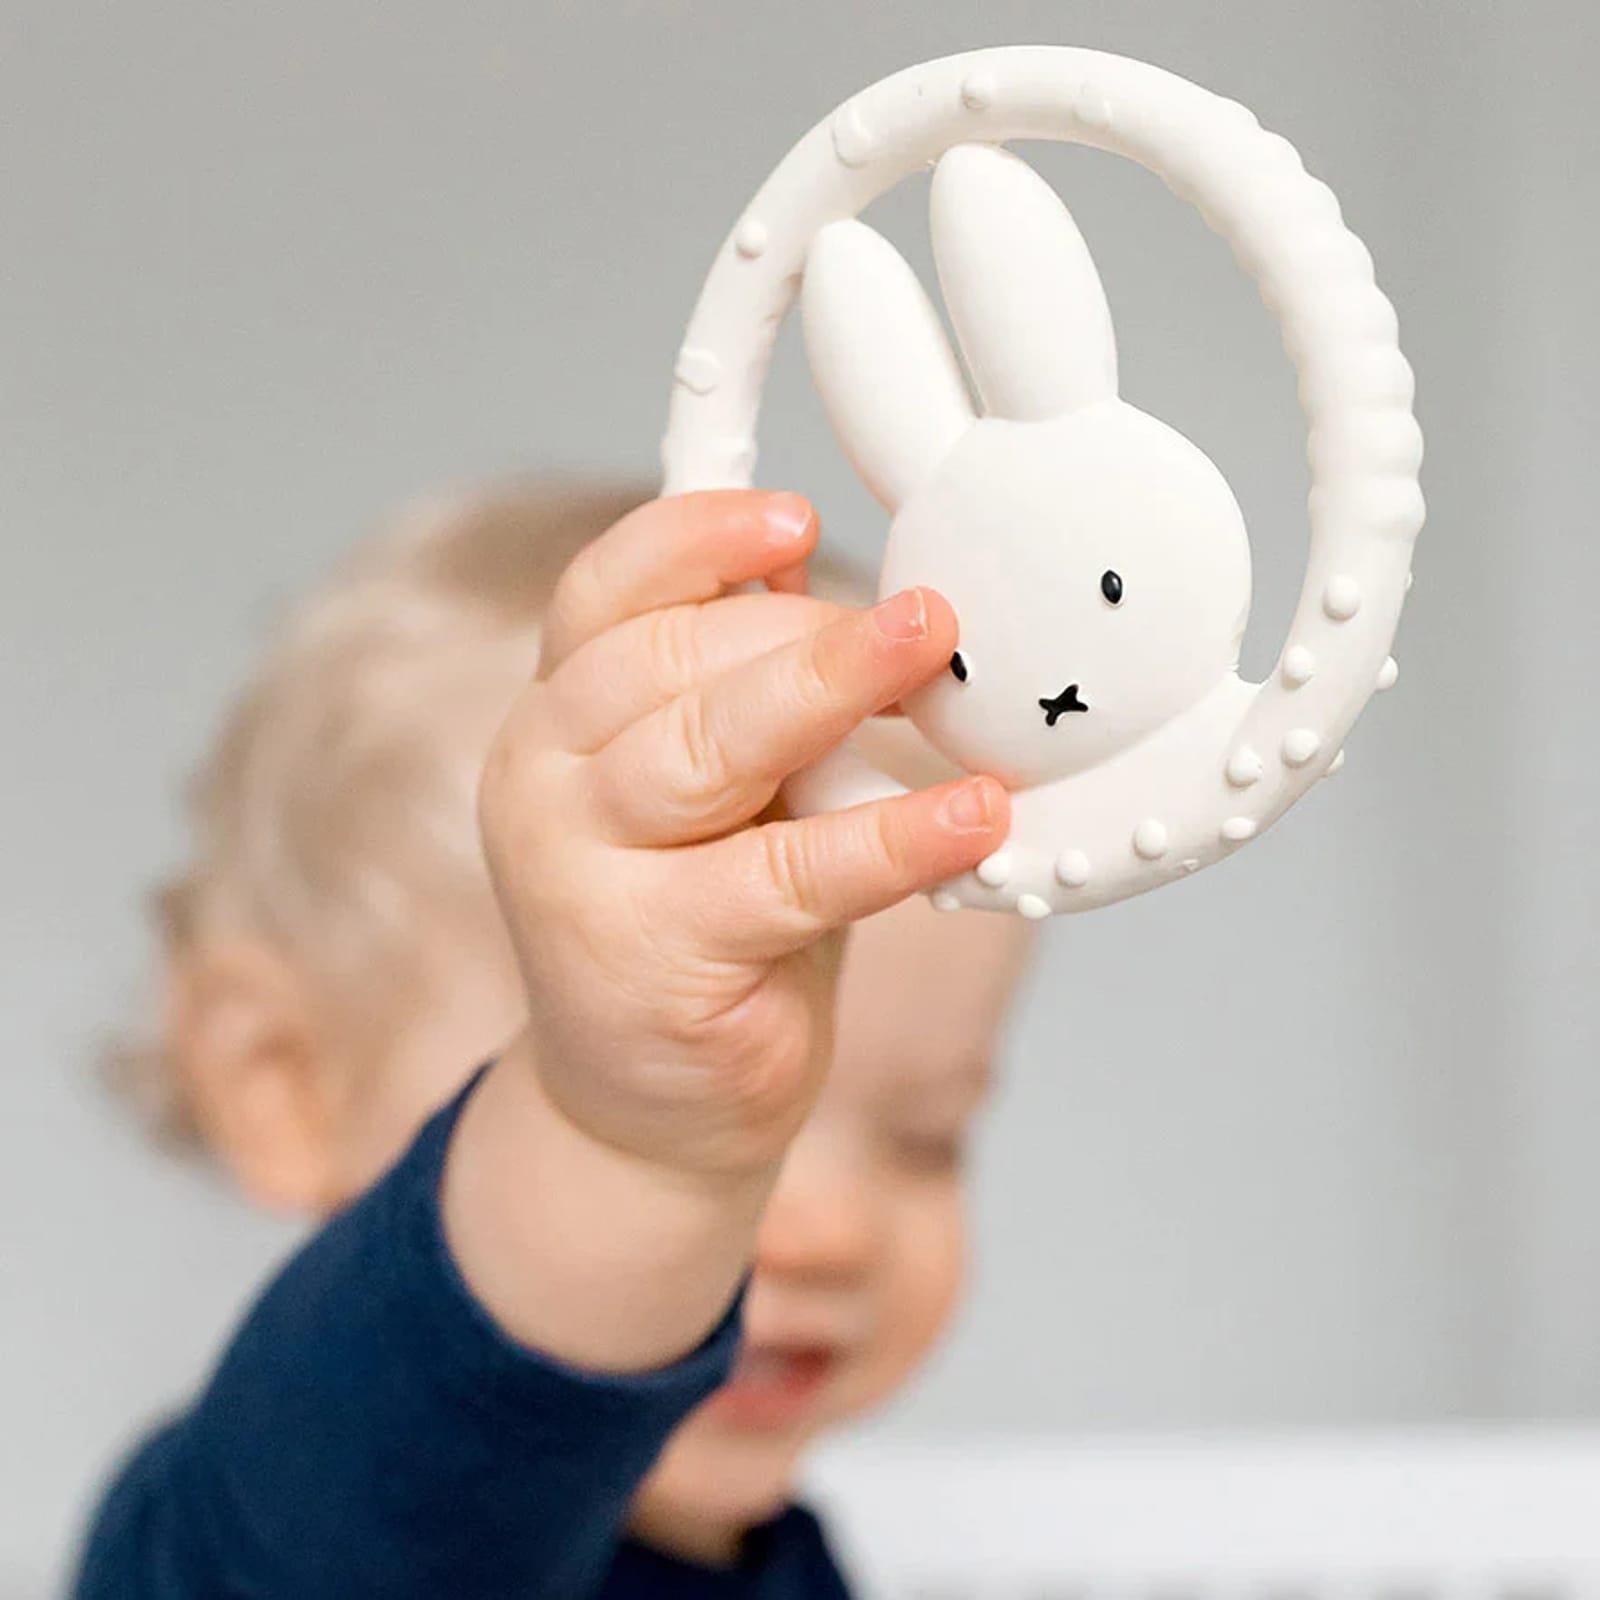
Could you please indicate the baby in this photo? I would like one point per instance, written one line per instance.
(505, 792)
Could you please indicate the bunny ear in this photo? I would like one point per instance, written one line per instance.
(887, 376)
(1022, 291)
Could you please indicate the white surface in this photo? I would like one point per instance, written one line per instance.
(1476, 1515)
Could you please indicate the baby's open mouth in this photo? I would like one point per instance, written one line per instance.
(1067, 700)
(774, 1387)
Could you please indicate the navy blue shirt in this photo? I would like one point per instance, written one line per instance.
(371, 1431)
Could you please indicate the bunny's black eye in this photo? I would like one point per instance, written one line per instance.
(958, 667)
(1111, 587)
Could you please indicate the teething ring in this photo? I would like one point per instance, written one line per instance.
(1159, 778)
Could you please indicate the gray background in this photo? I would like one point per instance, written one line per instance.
(1306, 1139)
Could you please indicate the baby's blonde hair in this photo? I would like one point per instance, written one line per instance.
(334, 815)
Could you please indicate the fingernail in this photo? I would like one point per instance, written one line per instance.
(788, 517)
(902, 616)
(967, 809)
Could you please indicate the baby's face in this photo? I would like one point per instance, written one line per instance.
(859, 1259)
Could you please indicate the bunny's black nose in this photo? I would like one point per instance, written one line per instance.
(1067, 700)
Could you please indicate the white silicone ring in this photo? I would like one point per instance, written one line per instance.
(1133, 826)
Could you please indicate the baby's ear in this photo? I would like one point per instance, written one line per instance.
(888, 379)
(251, 1051)
(1021, 289)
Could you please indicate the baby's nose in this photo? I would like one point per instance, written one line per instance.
(1059, 704)
(821, 1221)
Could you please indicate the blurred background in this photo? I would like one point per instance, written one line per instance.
(1309, 1140)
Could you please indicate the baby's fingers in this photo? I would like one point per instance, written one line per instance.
(637, 668)
(768, 891)
(671, 552)
(712, 758)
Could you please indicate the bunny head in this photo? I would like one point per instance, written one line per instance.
(1097, 561)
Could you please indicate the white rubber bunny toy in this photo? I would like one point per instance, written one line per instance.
(1097, 560)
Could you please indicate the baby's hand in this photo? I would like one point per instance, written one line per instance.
(672, 927)
(669, 926)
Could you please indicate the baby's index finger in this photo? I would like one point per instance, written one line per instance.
(635, 668)
(711, 758)
(677, 550)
